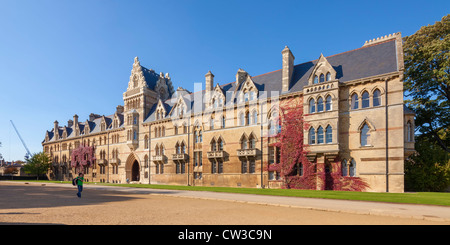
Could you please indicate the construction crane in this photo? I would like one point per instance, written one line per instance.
(28, 154)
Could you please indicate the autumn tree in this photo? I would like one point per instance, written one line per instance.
(294, 167)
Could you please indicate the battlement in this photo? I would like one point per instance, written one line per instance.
(381, 39)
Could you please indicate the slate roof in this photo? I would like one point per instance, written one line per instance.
(367, 61)
(363, 62)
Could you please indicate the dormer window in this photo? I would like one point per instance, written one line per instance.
(316, 79)
(322, 78)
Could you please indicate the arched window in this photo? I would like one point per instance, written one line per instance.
(157, 150)
(355, 101)
(365, 135)
(312, 106)
(316, 79)
(409, 132)
(352, 168)
(244, 142)
(320, 135)
(328, 76)
(320, 104)
(328, 103)
(183, 147)
(213, 145)
(376, 97)
(178, 148)
(223, 121)
(246, 96)
(220, 144)
(211, 123)
(322, 78)
(312, 136)
(365, 99)
(344, 168)
(255, 117)
(242, 119)
(328, 134)
(247, 118)
(252, 142)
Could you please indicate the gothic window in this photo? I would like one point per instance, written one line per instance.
(223, 122)
(178, 148)
(242, 119)
(246, 95)
(312, 136)
(316, 79)
(409, 132)
(328, 134)
(322, 78)
(344, 168)
(320, 104)
(376, 98)
(352, 168)
(213, 145)
(247, 118)
(328, 76)
(252, 142)
(220, 144)
(365, 99)
(185, 128)
(355, 101)
(146, 142)
(365, 135)
(244, 142)
(320, 135)
(328, 103)
(211, 123)
(312, 106)
(255, 117)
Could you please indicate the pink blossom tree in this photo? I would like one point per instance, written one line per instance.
(83, 157)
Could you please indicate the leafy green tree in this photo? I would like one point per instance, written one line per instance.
(38, 164)
(427, 80)
(429, 168)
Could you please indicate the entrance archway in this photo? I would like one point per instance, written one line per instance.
(132, 168)
(135, 171)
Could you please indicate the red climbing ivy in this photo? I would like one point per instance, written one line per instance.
(83, 157)
(294, 152)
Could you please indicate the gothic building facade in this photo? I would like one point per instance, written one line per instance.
(217, 136)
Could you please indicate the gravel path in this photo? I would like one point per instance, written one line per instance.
(36, 203)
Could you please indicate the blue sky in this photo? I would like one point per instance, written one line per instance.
(63, 57)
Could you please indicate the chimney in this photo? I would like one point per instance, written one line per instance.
(69, 123)
(119, 109)
(75, 119)
(288, 68)
(209, 81)
(56, 126)
(241, 75)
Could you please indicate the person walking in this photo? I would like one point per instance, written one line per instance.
(80, 180)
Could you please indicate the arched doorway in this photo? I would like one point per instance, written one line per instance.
(135, 171)
(132, 168)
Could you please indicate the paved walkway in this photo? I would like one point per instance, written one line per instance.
(425, 212)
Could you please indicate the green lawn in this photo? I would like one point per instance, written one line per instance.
(431, 198)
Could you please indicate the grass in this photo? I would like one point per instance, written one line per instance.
(428, 198)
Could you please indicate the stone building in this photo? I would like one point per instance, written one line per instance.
(217, 135)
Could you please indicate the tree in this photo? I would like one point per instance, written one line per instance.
(38, 164)
(428, 169)
(83, 157)
(427, 80)
(294, 167)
